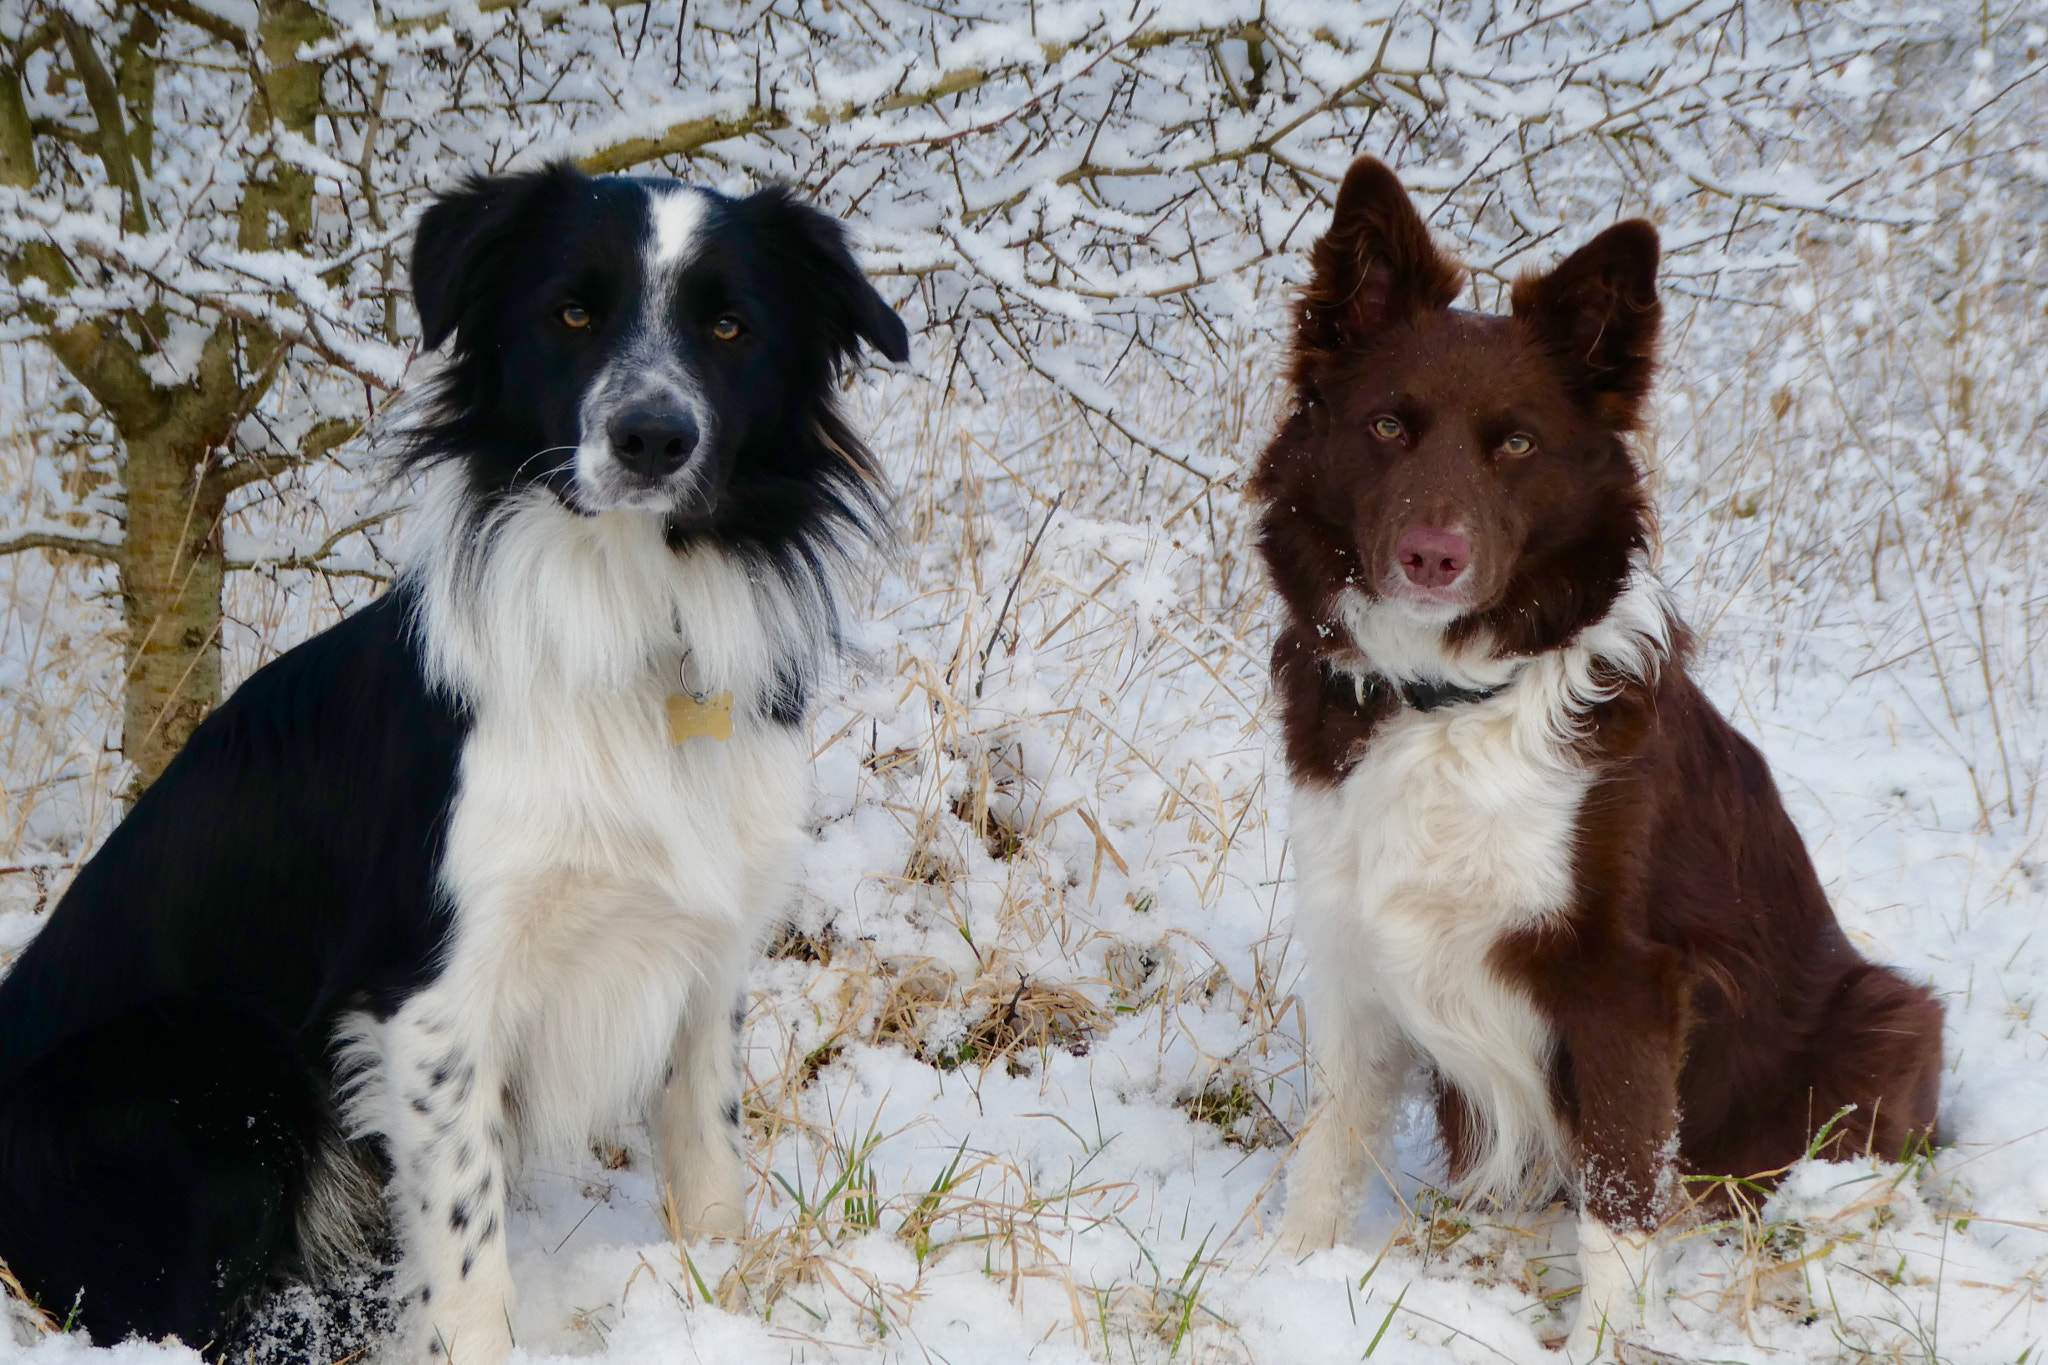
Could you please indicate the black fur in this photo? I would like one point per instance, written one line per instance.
(165, 1077)
(168, 1079)
(503, 254)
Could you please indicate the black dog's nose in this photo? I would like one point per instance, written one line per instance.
(653, 442)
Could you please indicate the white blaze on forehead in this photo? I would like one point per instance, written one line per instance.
(677, 215)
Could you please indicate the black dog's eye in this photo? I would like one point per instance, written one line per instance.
(727, 328)
(575, 316)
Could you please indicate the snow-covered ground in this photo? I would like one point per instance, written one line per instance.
(1026, 1067)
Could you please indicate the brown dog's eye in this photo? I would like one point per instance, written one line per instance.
(727, 328)
(574, 316)
(1516, 446)
(1387, 428)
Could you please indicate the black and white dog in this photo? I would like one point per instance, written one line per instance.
(479, 871)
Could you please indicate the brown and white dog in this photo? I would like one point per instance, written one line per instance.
(1535, 864)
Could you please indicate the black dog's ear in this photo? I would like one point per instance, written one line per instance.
(811, 246)
(459, 250)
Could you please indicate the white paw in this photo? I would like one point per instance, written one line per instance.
(1619, 1273)
(472, 1339)
(700, 1212)
(725, 1222)
(1590, 1341)
(1300, 1237)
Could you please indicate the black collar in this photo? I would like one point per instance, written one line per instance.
(1424, 694)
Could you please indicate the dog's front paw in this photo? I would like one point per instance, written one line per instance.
(1300, 1237)
(708, 1208)
(723, 1221)
(705, 1193)
(462, 1339)
(1591, 1340)
(1619, 1290)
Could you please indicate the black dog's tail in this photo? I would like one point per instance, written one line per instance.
(154, 1168)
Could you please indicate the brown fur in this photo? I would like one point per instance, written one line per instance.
(1700, 978)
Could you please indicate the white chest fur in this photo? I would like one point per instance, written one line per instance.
(604, 879)
(1452, 832)
(1455, 830)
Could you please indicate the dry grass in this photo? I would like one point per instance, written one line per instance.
(1052, 807)
(26, 1322)
(60, 662)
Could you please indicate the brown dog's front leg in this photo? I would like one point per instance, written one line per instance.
(1620, 1016)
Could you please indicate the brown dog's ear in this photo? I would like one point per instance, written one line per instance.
(1597, 314)
(1375, 266)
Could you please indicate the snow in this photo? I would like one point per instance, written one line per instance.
(1024, 1076)
(1064, 1204)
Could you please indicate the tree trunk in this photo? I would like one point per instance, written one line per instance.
(172, 562)
(171, 580)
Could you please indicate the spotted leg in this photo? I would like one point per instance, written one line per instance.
(451, 1154)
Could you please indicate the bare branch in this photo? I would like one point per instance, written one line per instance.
(223, 29)
(311, 559)
(105, 99)
(696, 134)
(308, 336)
(682, 139)
(254, 466)
(13, 543)
(110, 368)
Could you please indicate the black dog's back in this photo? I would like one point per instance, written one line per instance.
(165, 1041)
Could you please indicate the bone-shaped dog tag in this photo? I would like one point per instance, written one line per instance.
(688, 717)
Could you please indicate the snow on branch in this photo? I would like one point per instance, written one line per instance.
(274, 555)
(1049, 183)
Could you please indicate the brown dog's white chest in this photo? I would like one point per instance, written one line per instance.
(1454, 830)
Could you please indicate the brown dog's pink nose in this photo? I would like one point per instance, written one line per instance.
(1433, 557)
